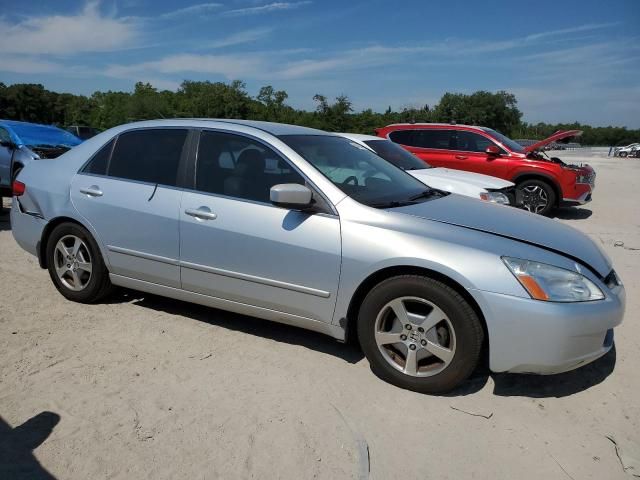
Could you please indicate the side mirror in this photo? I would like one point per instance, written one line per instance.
(8, 144)
(492, 151)
(291, 195)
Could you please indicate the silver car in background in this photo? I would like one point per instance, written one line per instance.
(259, 218)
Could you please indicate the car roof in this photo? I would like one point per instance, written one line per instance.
(273, 128)
(433, 124)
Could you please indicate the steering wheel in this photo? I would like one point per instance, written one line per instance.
(353, 179)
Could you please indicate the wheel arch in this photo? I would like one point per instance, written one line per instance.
(543, 177)
(46, 232)
(380, 275)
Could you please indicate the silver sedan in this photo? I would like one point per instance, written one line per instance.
(308, 228)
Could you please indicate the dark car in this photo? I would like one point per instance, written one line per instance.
(83, 133)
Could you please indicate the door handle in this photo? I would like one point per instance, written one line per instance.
(92, 191)
(202, 213)
(461, 157)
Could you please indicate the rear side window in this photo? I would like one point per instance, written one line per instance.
(151, 155)
(98, 164)
(439, 139)
(422, 138)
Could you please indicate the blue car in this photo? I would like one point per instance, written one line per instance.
(22, 142)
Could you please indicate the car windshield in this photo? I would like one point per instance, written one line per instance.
(359, 172)
(394, 153)
(506, 141)
(36, 135)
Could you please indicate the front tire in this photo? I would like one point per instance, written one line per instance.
(623, 154)
(419, 334)
(537, 196)
(75, 264)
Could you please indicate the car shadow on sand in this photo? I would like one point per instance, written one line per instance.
(17, 460)
(540, 386)
(505, 384)
(278, 332)
(575, 213)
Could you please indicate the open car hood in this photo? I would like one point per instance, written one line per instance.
(556, 137)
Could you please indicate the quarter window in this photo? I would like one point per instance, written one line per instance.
(151, 155)
(403, 137)
(98, 164)
(240, 167)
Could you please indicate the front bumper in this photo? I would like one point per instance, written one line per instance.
(581, 200)
(530, 336)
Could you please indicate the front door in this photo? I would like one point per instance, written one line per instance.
(235, 245)
(128, 193)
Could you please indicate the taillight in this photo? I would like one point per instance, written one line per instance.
(18, 188)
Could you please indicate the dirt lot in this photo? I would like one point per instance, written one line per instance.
(150, 387)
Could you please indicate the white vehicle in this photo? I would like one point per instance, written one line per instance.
(628, 150)
(476, 185)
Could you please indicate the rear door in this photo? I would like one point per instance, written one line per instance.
(130, 193)
(430, 145)
(237, 246)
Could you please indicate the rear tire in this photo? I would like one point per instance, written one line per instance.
(430, 348)
(75, 264)
(537, 196)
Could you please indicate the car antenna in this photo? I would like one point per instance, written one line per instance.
(153, 193)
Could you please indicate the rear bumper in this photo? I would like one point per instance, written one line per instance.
(530, 336)
(26, 228)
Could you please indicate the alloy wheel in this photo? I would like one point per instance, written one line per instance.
(415, 336)
(72, 261)
(534, 198)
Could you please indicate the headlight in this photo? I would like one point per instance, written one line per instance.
(583, 179)
(495, 197)
(552, 284)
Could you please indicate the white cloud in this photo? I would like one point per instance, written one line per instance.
(26, 65)
(238, 38)
(198, 9)
(268, 8)
(225, 65)
(87, 31)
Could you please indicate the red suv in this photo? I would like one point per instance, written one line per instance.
(542, 182)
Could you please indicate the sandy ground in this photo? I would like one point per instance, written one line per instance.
(150, 387)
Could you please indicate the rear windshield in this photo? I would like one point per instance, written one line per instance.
(397, 155)
(506, 141)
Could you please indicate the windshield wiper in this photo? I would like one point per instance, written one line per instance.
(392, 204)
(424, 194)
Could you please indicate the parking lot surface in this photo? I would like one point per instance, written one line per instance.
(148, 387)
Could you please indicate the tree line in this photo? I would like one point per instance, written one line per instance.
(195, 99)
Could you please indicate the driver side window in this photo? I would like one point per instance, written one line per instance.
(240, 167)
(471, 142)
(4, 135)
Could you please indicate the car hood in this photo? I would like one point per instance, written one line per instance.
(556, 137)
(514, 224)
(475, 179)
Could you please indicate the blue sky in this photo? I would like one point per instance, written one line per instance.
(565, 60)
